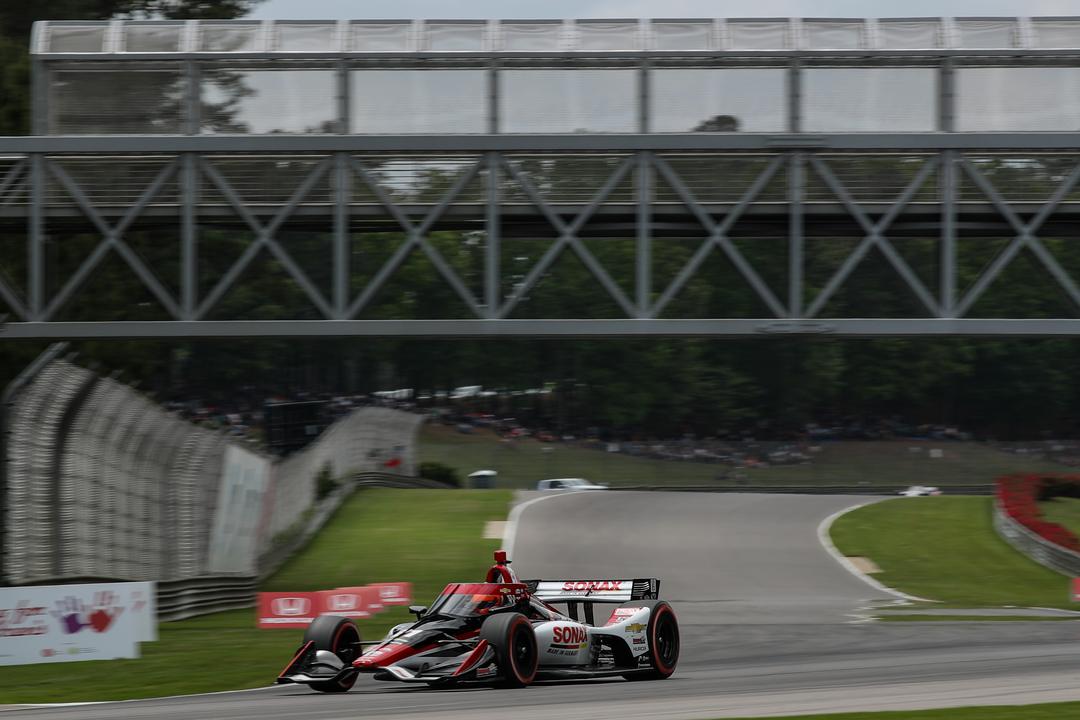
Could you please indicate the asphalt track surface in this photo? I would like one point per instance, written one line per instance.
(771, 625)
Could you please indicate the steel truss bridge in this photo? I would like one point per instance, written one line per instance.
(799, 188)
(723, 189)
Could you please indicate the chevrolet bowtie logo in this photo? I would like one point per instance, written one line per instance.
(635, 628)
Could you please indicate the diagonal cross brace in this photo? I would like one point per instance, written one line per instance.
(568, 237)
(265, 236)
(718, 236)
(1025, 237)
(13, 181)
(875, 236)
(417, 236)
(112, 239)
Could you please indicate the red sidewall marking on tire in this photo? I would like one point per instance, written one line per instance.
(513, 653)
(665, 610)
(334, 649)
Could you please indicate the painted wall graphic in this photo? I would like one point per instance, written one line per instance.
(67, 623)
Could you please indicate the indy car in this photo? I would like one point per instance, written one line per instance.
(502, 631)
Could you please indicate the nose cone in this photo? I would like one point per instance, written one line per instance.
(383, 655)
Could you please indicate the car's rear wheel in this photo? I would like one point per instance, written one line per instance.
(663, 634)
(512, 638)
(340, 636)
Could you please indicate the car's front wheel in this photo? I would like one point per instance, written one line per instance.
(512, 638)
(340, 636)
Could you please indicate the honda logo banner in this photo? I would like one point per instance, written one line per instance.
(299, 609)
(287, 610)
(395, 593)
(346, 602)
(372, 603)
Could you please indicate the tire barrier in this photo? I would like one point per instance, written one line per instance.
(1019, 521)
(1044, 552)
(101, 482)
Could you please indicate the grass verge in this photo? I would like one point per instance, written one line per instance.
(521, 463)
(945, 549)
(1051, 711)
(427, 537)
(1064, 511)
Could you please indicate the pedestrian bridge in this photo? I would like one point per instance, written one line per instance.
(797, 161)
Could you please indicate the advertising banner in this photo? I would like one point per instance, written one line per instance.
(372, 601)
(1076, 590)
(235, 533)
(395, 593)
(347, 602)
(299, 609)
(66, 623)
(287, 610)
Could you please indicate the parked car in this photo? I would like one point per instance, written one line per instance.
(569, 484)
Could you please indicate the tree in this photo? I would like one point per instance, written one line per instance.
(718, 123)
(17, 18)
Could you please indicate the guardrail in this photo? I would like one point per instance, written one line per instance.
(1042, 551)
(180, 599)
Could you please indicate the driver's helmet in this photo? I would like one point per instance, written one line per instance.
(485, 603)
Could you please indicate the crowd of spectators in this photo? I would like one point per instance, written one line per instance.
(244, 417)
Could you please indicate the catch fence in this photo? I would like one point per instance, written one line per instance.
(103, 483)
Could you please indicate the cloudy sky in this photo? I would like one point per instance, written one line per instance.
(538, 9)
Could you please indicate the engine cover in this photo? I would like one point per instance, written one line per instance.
(562, 642)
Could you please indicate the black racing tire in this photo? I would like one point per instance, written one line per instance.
(340, 636)
(663, 634)
(512, 638)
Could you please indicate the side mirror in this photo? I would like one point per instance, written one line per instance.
(418, 610)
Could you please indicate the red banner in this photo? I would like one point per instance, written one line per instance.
(352, 602)
(396, 593)
(299, 609)
(287, 610)
(371, 597)
(1076, 590)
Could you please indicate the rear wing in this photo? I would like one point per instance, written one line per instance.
(590, 592)
(594, 591)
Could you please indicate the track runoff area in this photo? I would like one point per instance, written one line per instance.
(772, 624)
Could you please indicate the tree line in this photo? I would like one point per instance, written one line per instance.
(655, 386)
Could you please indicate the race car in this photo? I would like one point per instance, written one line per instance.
(502, 631)
(920, 491)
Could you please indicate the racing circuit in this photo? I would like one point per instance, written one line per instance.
(771, 625)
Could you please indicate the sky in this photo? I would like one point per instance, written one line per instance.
(540, 9)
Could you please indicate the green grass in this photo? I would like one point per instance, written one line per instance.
(377, 535)
(1063, 511)
(521, 463)
(1052, 711)
(944, 548)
